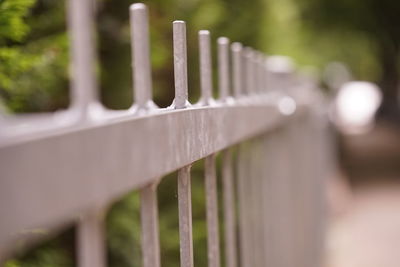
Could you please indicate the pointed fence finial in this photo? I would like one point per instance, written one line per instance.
(83, 83)
(260, 72)
(205, 67)
(223, 68)
(237, 68)
(280, 69)
(180, 64)
(141, 55)
(249, 70)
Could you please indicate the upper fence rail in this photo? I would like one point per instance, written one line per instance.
(87, 156)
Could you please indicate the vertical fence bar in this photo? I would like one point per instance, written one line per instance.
(260, 72)
(143, 95)
(249, 70)
(90, 240)
(288, 190)
(264, 73)
(180, 64)
(254, 75)
(323, 153)
(244, 215)
(258, 189)
(149, 220)
(209, 168)
(256, 80)
(140, 55)
(83, 82)
(308, 139)
(267, 75)
(285, 195)
(185, 217)
(229, 209)
(279, 227)
(248, 180)
(269, 149)
(258, 57)
(297, 142)
(184, 183)
(205, 67)
(223, 68)
(212, 212)
(253, 207)
(275, 204)
(265, 187)
(237, 70)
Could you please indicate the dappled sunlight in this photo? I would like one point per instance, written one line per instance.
(355, 107)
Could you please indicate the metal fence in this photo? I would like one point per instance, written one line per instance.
(270, 128)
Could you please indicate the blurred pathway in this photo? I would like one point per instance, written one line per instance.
(367, 232)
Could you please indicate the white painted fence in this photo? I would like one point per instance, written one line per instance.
(67, 167)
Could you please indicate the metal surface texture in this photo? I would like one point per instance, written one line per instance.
(205, 67)
(50, 166)
(185, 217)
(180, 65)
(212, 212)
(223, 68)
(149, 222)
(237, 68)
(90, 239)
(84, 86)
(228, 186)
(141, 55)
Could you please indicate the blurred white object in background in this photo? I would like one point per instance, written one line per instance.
(355, 106)
(287, 106)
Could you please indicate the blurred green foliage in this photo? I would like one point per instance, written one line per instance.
(33, 55)
(12, 19)
(123, 232)
(34, 45)
(56, 252)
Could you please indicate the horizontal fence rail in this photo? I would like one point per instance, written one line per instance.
(268, 123)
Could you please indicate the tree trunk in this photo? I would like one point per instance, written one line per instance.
(389, 82)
